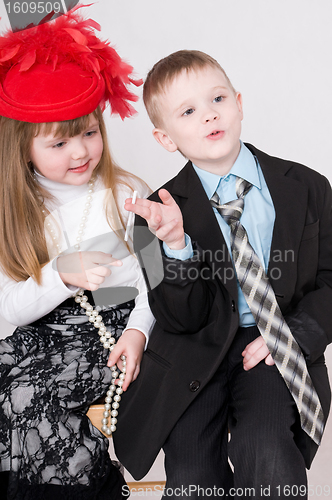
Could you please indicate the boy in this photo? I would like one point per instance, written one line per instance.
(214, 362)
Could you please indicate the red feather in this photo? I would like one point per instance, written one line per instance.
(10, 53)
(77, 36)
(28, 61)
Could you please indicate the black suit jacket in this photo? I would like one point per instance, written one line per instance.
(196, 305)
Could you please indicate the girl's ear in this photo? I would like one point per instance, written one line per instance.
(164, 139)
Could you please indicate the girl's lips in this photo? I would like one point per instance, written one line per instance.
(80, 169)
(215, 135)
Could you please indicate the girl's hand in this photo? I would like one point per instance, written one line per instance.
(86, 270)
(255, 352)
(131, 344)
(165, 219)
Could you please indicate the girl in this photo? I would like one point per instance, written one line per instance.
(61, 231)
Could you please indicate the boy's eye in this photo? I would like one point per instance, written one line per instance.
(188, 112)
(218, 99)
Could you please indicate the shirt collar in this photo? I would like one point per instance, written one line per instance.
(245, 166)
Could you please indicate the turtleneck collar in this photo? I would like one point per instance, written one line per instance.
(64, 193)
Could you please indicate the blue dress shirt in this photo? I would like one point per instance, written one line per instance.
(258, 216)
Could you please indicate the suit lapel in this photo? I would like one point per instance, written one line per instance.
(289, 197)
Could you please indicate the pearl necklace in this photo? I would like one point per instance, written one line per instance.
(112, 402)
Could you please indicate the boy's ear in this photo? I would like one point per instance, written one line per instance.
(164, 139)
(239, 102)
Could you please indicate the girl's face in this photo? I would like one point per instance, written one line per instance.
(68, 160)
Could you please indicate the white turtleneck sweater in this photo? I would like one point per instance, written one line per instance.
(23, 302)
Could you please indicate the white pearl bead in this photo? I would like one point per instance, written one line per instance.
(106, 414)
(107, 406)
(107, 335)
(123, 357)
(115, 406)
(112, 347)
(113, 428)
(104, 428)
(113, 368)
(120, 383)
(119, 390)
(112, 340)
(106, 345)
(108, 399)
(97, 324)
(77, 247)
(83, 304)
(102, 340)
(91, 319)
(95, 313)
(89, 308)
(114, 413)
(114, 421)
(122, 376)
(117, 398)
(78, 299)
(115, 374)
(112, 387)
(99, 318)
(102, 329)
(104, 421)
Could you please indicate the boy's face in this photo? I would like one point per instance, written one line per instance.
(201, 117)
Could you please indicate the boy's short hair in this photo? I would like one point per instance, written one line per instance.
(164, 72)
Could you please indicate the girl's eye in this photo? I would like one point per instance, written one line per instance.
(90, 133)
(188, 112)
(218, 99)
(59, 144)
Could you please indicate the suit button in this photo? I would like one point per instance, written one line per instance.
(233, 306)
(194, 385)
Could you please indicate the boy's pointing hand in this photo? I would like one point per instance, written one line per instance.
(164, 219)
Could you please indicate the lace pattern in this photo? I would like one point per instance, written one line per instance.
(50, 373)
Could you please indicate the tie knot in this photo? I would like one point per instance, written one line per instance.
(231, 212)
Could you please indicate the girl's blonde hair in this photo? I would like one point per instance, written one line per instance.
(23, 249)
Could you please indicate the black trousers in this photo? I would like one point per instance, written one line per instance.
(260, 413)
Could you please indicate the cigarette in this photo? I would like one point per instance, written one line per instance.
(131, 217)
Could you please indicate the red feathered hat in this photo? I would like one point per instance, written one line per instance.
(60, 70)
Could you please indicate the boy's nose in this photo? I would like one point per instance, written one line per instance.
(211, 116)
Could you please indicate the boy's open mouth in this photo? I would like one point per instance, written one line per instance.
(216, 134)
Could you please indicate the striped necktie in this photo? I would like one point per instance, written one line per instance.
(263, 305)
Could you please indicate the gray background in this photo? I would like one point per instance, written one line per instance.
(276, 52)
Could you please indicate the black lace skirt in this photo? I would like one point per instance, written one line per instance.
(50, 373)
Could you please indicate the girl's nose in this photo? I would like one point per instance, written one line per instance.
(79, 150)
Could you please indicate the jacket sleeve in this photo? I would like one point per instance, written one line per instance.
(181, 299)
